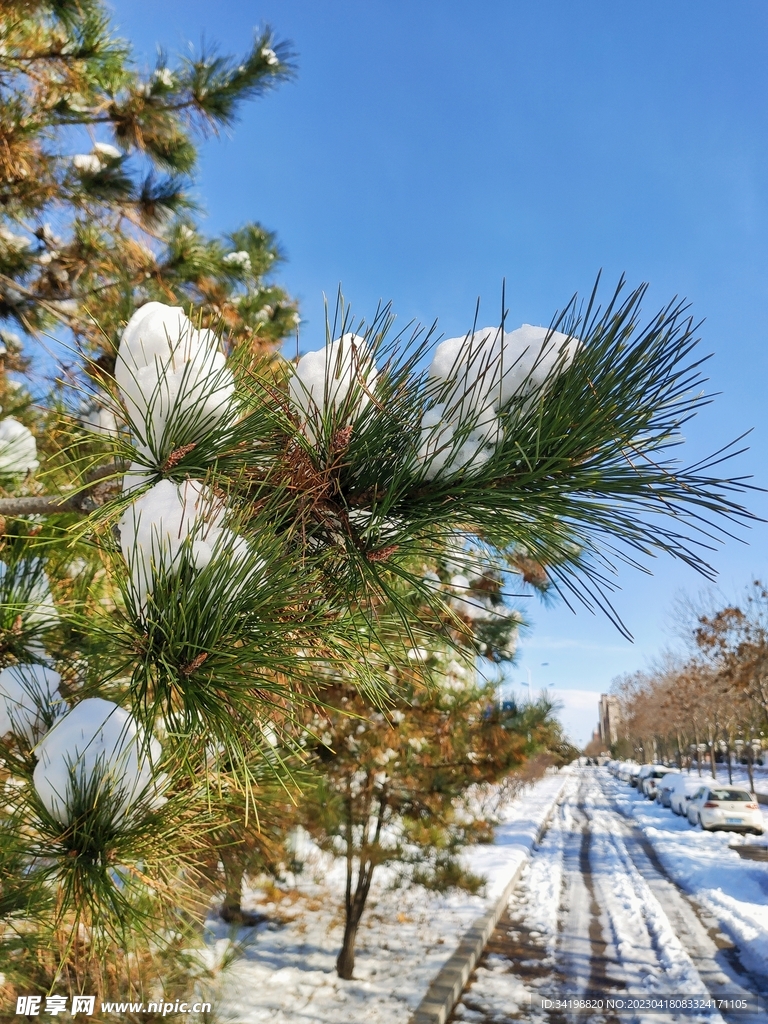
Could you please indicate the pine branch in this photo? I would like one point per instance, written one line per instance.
(81, 503)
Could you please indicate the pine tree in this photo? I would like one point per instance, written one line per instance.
(183, 575)
(394, 784)
(272, 528)
(97, 160)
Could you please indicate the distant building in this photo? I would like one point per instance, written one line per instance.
(609, 719)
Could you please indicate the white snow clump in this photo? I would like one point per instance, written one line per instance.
(337, 378)
(96, 738)
(27, 585)
(463, 603)
(88, 163)
(477, 376)
(12, 240)
(172, 377)
(107, 151)
(91, 163)
(26, 692)
(165, 77)
(239, 259)
(418, 654)
(18, 448)
(157, 525)
(100, 420)
(169, 517)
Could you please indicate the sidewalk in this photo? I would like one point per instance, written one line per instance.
(287, 975)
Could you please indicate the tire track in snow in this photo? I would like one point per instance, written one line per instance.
(652, 958)
(610, 930)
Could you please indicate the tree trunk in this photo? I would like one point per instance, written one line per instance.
(354, 904)
(712, 765)
(231, 909)
(750, 759)
(345, 961)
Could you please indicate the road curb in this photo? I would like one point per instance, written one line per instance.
(447, 986)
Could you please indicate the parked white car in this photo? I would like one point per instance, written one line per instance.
(680, 788)
(636, 779)
(626, 769)
(664, 787)
(652, 778)
(731, 808)
(645, 771)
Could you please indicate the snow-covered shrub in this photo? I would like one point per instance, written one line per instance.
(335, 381)
(173, 378)
(18, 448)
(29, 699)
(95, 753)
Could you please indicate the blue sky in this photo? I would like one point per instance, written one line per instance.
(427, 150)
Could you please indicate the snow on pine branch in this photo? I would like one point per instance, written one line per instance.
(169, 519)
(474, 377)
(18, 448)
(96, 756)
(29, 699)
(336, 381)
(176, 388)
(25, 588)
(173, 379)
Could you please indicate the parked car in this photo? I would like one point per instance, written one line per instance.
(664, 785)
(642, 773)
(725, 807)
(634, 771)
(676, 789)
(652, 779)
(629, 771)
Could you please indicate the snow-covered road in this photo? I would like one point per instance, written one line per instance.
(626, 902)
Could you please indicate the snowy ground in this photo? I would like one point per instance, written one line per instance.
(287, 975)
(625, 900)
